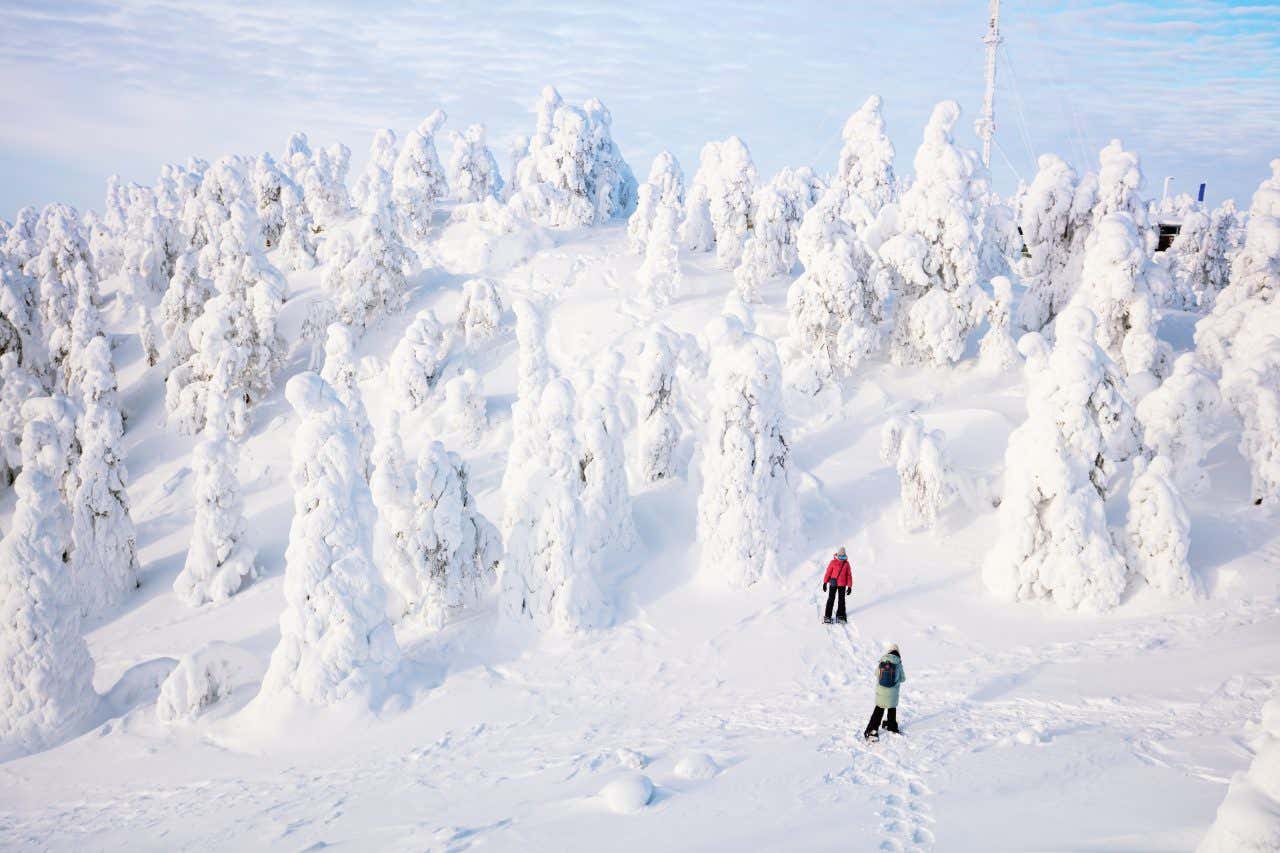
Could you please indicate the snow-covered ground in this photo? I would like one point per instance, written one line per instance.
(1026, 727)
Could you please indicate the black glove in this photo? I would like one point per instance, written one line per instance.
(824, 587)
(848, 590)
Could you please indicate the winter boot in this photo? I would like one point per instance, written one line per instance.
(826, 620)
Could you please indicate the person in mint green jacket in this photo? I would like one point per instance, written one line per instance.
(889, 675)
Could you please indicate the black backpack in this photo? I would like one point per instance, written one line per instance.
(888, 671)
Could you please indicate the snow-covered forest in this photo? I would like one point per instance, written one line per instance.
(482, 498)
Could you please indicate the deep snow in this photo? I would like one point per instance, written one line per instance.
(1026, 727)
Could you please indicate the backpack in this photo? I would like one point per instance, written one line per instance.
(888, 671)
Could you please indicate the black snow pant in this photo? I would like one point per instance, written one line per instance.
(890, 721)
(834, 592)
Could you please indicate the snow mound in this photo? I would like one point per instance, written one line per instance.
(628, 794)
(207, 675)
(696, 765)
(1249, 817)
(631, 759)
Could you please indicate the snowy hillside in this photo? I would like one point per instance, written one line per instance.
(462, 504)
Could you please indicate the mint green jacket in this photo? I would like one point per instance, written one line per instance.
(887, 697)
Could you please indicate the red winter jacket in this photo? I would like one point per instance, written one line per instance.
(838, 573)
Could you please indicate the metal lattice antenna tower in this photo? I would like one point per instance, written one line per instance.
(986, 124)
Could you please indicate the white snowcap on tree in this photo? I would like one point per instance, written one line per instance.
(866, 159)
(728, 178)
(1158, 530)
(473, 170)
(664, 188)
(746, 510)
(1178, 421)
(778, 208)
(417, 360)
(335, 641)
(373, 188)
(418, 180)
(1055, 215)
(1059, 466)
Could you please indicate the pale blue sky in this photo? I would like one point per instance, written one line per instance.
(94, 88)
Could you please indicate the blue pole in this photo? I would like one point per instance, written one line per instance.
(1201, 199)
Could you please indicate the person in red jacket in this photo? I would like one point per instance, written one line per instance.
(836, 583)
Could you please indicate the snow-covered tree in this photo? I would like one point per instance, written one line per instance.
(368, 281)
(235, 330)
(998, 351)
(455, 549)
(480, 315)
(417, 360)
(659, 274)
(17, 386)
(771, 250)
(46, 684)
(728, 176)
(746, 510)
(935, 256)
(391, 486)
(418, 182)
(105, 235)
(463, 412)
(182, 303)
(1120, 183)
(573, 172)
(534, 371)
(106, 552)
(1055, 215)
(1158, 529)
(22, 239)
(658, 433)
(340, 372)
(374, 186)
(663, 189)
(926, 480)
(335, 641)
(1178, 421)
(697, 232)
(1119, 284)
(866, 158)
(297, 157)
(285, 217)
(549, 573)
(606, 500)
(325, 186)
(219, 559)
(149, 247)
(1255, 275)
(61, 267)
(1060, 465)
(473, 170)
(20, 329)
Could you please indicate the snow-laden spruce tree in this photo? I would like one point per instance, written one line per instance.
(935, 256)
(391, 486)
(148, 248)
(1055, 215)
(746, 509)
(49, 443)
(728, 176)
(22, 239)
(236, 329)
(473, 170)
(340, 372)
(61, 267)
(417, 360)
(335, 641)
(219, 559)
(86, 327)
(866, 158)
(697, 233)
(104, 235)
(534, 371)
(1120, 183)
(463, 411)
(549, 574)
(771, 250)
(418, 181)
(182, 303)
(606, 498)
(663, 188)
(369, 281)
(658, 433)
(17, 386)
(20, 329)
(1060, 465)
(1255, 275)
(659, 274)
(998, 351)
(572, 173)
(286, 219)
(1179, 421)
(1118, 285)
(106, 551)
(480, 315)
(376, 178)
(455, 549)
(926, 480)
(325, 186)
(297, 158)
(1158, 529)
(46, 683)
